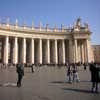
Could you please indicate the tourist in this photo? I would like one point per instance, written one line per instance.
(32, 68)
(20, 71)
(69, 73)
(75, 73)
(85, 66)
(95, 76)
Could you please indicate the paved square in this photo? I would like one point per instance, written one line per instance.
(46, 83)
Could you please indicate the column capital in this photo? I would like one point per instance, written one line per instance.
(56, 39)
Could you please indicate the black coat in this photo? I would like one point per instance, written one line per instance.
(20, 69)
(94, 73)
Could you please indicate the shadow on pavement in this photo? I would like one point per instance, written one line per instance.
(61, 82)
(77, 90)
(58, 82)
(85, 81)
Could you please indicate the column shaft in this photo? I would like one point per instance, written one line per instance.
(32, 51)
(85, 52)
(76, 55)
(63, 47)
(40, 51)
(15, 51)
(6, 50)
(56, 52)
(89, 59)
(82, 49)
(24, 50)
(79, 53)
(71, 52)
(48, 48)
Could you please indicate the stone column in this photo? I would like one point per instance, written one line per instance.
(82, 51)
(85, 52)
(71, 52)
(63, 47)
(6, 50)
(24, 50)
(32, 51)
(79, 52)
(89, 59)
(15, 51)
(40, 51)
(76, 54)
(48, 48)
(56, 52)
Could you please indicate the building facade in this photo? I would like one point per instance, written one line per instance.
(96, 53)
(39, 45)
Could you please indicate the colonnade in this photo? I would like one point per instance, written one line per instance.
(81, 49)
(43, 51)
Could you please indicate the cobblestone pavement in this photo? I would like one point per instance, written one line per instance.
(46, 83)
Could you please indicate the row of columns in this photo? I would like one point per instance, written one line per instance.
(31, 51)
(75, 53)
(81, 51)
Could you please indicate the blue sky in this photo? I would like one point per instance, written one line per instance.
(53, 12)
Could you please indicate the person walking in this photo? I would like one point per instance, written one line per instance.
(95, 76)
(20, 71)
(75, 73)
(32, 68)
(85, 66)
(69, 73)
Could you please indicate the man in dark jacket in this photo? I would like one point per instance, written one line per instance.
(20, 71)
(69, 73)
(94, 69)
